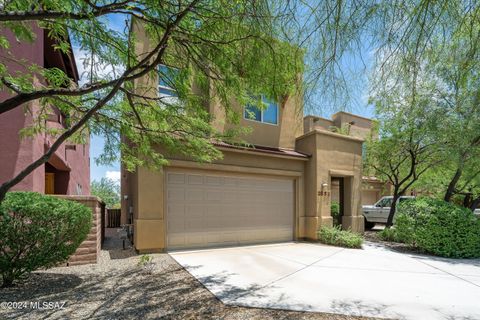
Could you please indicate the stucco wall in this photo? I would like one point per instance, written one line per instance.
(17, 153)
(333, 155)
(360, 127)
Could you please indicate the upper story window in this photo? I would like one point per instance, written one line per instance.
(166, 80)
(267, 115)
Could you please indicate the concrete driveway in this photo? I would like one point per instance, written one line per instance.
(373, 282)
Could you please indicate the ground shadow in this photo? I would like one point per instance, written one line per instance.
(116, 247)
(358, 307)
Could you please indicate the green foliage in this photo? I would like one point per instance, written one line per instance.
(146, 263)
(230, 50)
(107, 190)
(335, 212)
(388, 234)
(405, 225)
(439, 227)
(337, 237)
(38, 231)
(144, 259)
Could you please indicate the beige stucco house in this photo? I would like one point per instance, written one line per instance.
(276, 189)
(357, 126)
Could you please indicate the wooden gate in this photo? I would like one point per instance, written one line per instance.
(113, 218)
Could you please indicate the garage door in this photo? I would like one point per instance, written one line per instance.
(207, 209)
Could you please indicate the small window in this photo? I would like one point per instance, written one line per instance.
(253, 113)
(267, 115)
(364, 151)
(270, 115)
(166, 80)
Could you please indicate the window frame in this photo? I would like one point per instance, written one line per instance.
(265, 100)
(163, 87)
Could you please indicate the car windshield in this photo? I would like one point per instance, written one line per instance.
(385, 202)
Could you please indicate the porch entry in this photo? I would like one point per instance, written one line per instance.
(337, 200)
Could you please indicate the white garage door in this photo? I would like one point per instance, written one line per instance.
(206, 209)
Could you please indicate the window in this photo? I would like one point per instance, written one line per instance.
(166, 80)
(364, 151)
(385, 202)
(267, 115)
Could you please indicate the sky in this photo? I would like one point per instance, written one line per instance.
(358, 105)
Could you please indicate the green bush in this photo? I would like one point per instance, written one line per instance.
(405, 228)
(341, 238)
(38, 231)
(388, 234)
(335, 212)
(439, 227)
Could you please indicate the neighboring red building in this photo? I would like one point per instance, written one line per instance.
(68, 170)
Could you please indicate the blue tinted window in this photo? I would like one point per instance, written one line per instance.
(270, 114)
(253, 113)
(166, 76)
(168, 92)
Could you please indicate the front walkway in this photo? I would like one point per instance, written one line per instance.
(373, 282)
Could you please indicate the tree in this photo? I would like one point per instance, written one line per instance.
(107, 190)
(451, 77)
(457, 77)
(401, 159)
(231, 47)
(408, 147)
(226, 46)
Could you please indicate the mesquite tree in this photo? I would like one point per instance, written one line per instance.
(233, 48)
(226, 46)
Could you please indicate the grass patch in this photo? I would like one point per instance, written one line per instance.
(341, 238)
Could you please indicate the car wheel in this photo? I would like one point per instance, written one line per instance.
(369, 225)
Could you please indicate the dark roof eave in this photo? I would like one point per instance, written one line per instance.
(264, 150)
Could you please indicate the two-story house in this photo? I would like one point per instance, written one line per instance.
(68, 170)
(275, 188)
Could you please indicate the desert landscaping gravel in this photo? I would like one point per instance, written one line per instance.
(117, 288)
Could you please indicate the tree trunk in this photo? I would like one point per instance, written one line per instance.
(475, 204)
(467, 200)
(451, 186)
(393, 208)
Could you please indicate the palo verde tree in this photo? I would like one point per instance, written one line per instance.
(228, 47)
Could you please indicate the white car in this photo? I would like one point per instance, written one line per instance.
(378, 213)
(477, 212)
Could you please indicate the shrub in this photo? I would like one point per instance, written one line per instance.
(335, 212)
(405, 229)
(146, 264)
(341, 238)
(439, 227)
(388, 234)
(38, 231)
